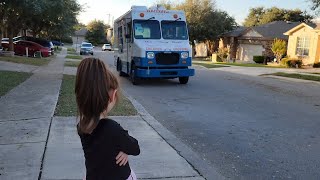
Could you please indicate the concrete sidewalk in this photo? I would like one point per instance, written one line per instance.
(64, 156)
(36, 145)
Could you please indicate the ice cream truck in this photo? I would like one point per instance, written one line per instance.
(152, 43)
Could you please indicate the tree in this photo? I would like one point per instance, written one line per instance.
(261, 15)
(316, 4)
(279, 48)
(205, 22)
(96, 32)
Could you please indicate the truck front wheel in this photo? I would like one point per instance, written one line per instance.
(183, 80)
(133, 78)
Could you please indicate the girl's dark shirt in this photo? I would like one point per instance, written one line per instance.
(101, 148)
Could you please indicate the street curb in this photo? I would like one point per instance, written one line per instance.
(290, 79)
(205, 170)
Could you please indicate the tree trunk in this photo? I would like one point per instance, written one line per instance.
(11, 48)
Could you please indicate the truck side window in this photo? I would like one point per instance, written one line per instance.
(129, 31)
(120, 39)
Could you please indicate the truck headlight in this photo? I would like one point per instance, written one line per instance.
(184, 55)
(150, 55)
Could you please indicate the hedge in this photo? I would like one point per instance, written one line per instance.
(291, 63)
(258, 59)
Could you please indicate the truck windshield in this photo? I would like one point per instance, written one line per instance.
(146, 29)
(174, 30)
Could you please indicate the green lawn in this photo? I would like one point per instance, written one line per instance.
(249, 65)
(71, 50)
(209, 65)
(67, 103)
(9, 80)
(297, 76)
(72, 53)
(73, 57)
(72, 63)
(26, 60)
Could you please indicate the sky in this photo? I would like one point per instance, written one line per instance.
(239, 9)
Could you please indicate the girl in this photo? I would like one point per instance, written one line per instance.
(105, 143)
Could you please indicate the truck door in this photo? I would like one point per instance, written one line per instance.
(129, 44)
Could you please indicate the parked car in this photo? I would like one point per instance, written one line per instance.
(42, 42)
(57, 43)
(86, 48)
(21, 45)
(106, 47)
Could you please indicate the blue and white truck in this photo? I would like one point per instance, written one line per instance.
(152, 43)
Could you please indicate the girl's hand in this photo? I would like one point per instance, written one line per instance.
(122, 158)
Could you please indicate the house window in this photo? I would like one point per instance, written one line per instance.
(303, 44)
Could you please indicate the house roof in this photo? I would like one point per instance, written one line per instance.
(235, 33)
(275, 29)
(301, 25)
(81, 32)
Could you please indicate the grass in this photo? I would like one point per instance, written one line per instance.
(9, 80)
(67, 101)
(297, 76)
(71, 50)
(315, 73)
(26, 60)
(249, 65)
(209, 65)
(73, 57)
(72, 53)
(72, 63)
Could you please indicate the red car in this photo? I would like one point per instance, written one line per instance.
(20, 48)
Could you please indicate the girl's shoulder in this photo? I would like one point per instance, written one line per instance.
(111, 124)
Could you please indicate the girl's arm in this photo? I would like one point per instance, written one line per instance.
(127, 143)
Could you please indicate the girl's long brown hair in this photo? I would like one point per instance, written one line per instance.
(93, 84)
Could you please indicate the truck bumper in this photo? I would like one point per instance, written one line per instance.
(164, 73)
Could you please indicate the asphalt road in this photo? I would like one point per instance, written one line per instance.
(247, 127)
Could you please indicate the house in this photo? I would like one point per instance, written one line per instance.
(79, 36)
(304, 43)
(244, 43)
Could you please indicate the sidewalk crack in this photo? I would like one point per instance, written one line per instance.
(45, 150)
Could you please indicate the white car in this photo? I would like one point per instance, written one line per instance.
(106, 47)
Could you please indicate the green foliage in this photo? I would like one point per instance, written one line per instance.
(316, 65)
(223, 53)
(291, 62)
(46, 18)
(96, 32)
(279, 48)
(261, 15)
(258, 59)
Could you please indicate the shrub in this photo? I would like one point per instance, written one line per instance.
(291, 63)
(316, 65)
(279, 48)
(223, 53)
(283, 61)
(258, 59)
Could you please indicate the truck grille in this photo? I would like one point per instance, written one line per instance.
(167, 58)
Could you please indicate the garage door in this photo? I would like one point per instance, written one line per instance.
(247, 51)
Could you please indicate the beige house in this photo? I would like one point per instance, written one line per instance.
(244, 43)
(304, 43)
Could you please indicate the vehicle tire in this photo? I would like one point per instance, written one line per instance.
(135, 80)
(183, 80)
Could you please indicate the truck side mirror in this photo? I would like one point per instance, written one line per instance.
(128, 36)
